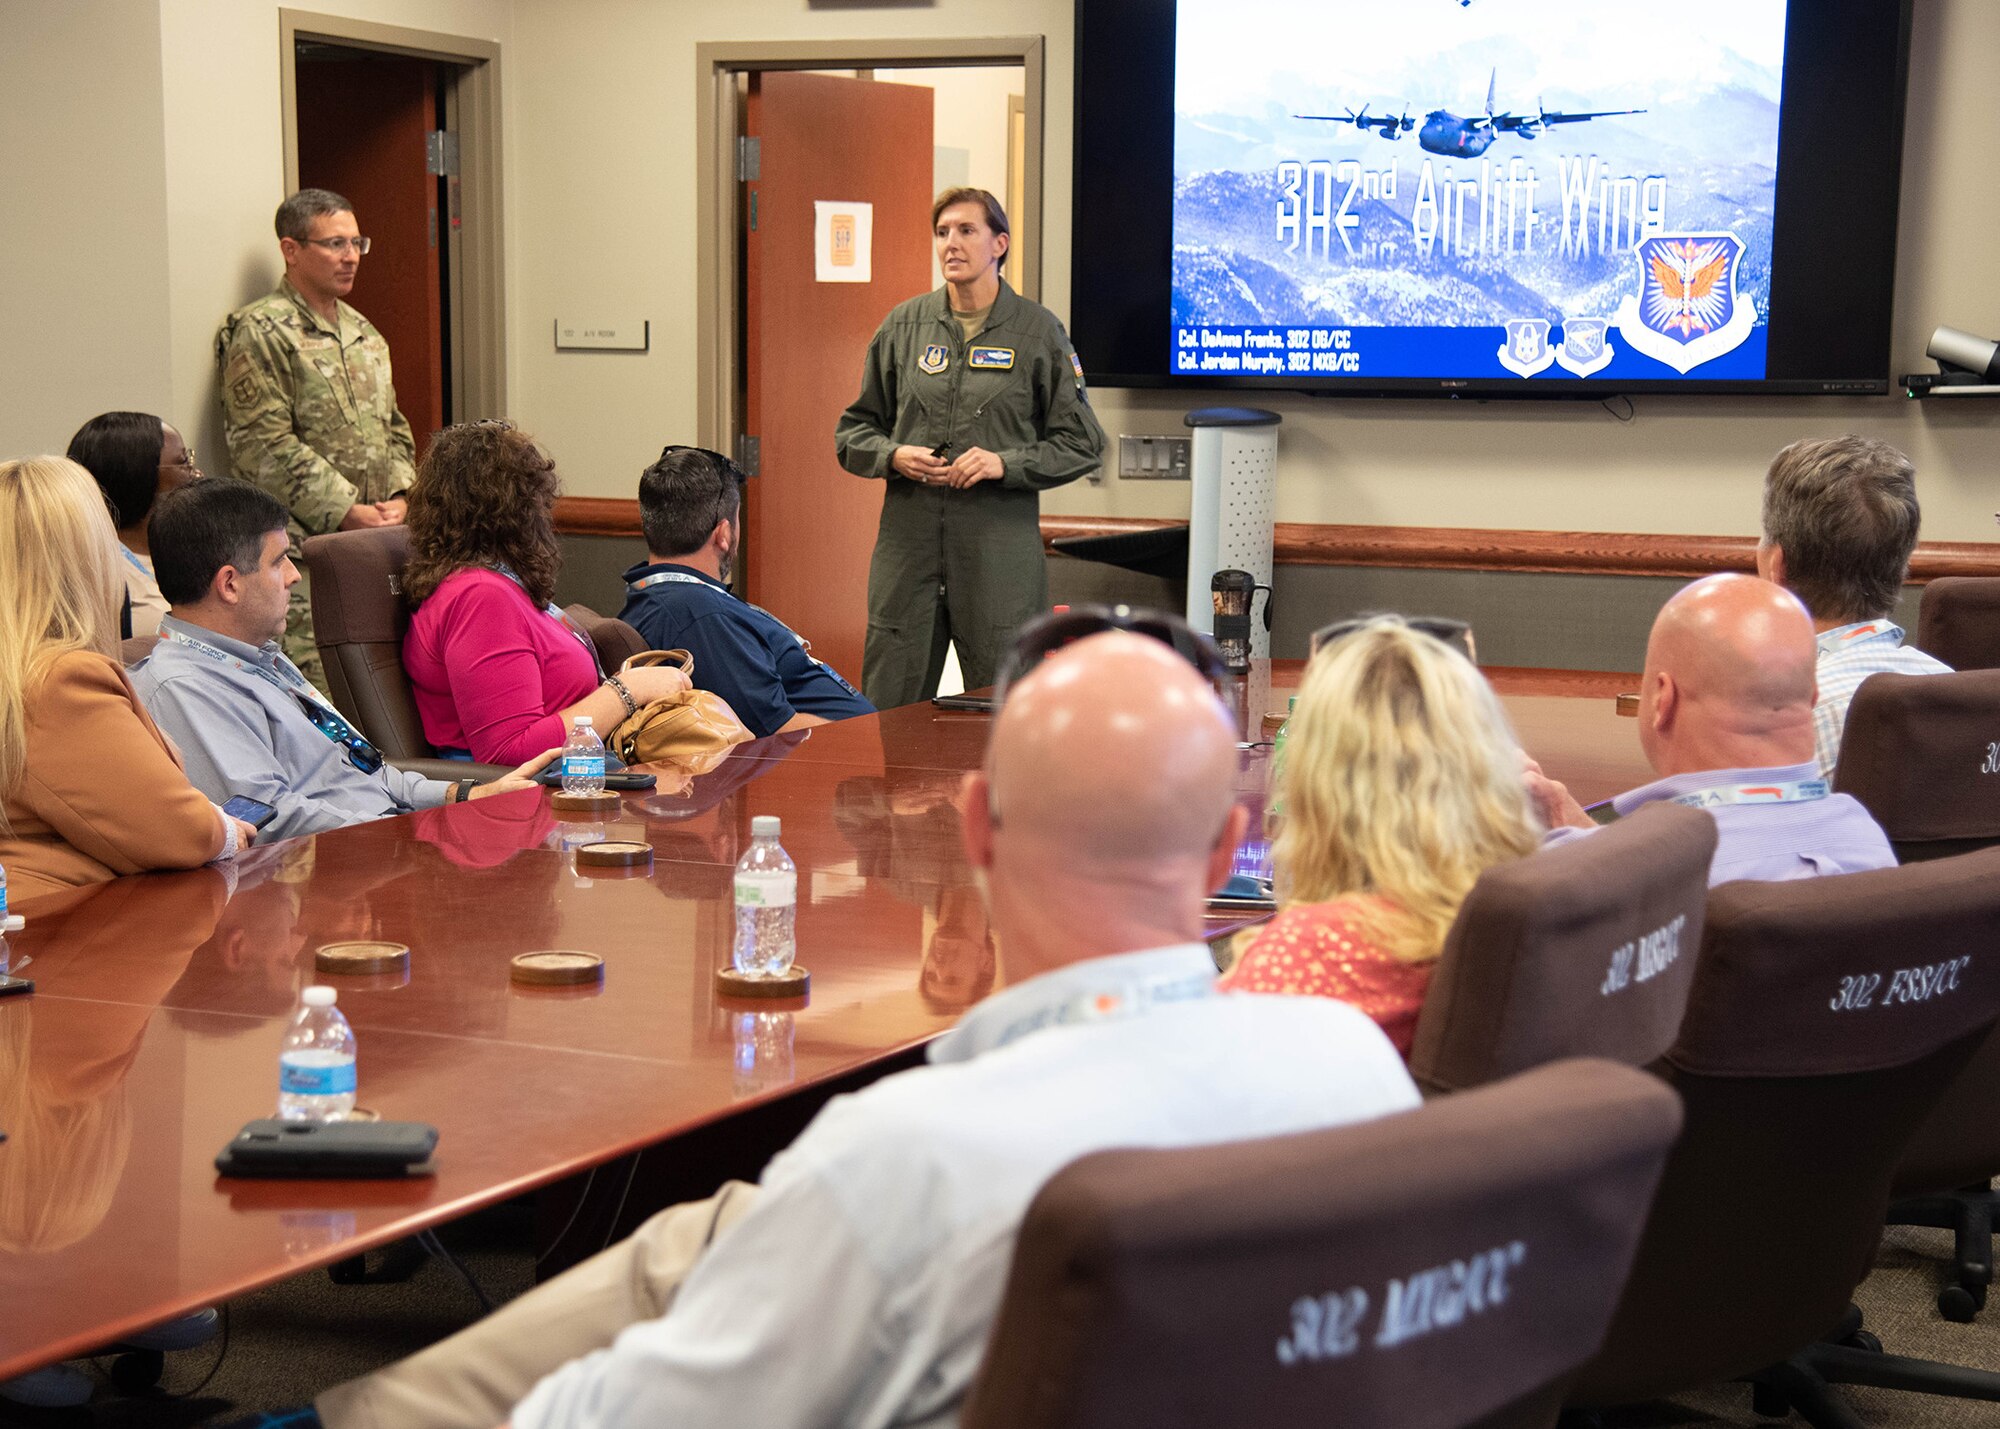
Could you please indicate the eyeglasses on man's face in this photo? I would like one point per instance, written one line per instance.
(339, 246)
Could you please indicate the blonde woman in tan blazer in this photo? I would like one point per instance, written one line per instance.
(89, 787)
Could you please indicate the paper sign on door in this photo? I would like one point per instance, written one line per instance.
(843, 237)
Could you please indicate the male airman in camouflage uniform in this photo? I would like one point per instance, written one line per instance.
(309, 409)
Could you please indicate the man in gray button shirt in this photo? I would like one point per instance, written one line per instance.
(247, 722)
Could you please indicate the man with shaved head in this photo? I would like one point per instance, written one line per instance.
(858, 1282)
(1726, 720)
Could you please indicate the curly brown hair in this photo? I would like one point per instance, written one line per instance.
(485, 496)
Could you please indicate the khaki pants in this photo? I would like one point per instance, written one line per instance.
(474, 1379)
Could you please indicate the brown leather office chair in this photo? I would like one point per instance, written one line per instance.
(1827, 1017)
(1958, 621)
(1582, 950)
(1444, 1267)
(359, 620)
(1920, 752)
(616, 641)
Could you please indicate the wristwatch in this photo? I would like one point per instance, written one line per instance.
(462, 790)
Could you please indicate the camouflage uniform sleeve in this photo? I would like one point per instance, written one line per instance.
(402, 451)
(1070, 441)
(864, 439)
(264, 445)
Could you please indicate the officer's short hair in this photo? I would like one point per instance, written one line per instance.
(996, 216)
(1844, 511)
(684, 495)
(197, 529)
(295, 214)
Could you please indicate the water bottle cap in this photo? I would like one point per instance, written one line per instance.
(318, 995)
(584, 722)
(764, 826)
(12, 923)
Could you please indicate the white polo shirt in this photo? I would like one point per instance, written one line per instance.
(860, 1288)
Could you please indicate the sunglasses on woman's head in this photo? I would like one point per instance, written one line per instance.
(1455, 633)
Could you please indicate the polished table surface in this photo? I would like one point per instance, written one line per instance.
(160, 1001)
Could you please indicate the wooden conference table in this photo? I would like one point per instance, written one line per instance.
(154, 1030)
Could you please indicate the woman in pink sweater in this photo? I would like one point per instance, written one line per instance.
(497, 672)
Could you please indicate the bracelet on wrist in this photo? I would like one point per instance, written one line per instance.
(624, 695)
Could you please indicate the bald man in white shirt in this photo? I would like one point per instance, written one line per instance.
(858, 1283)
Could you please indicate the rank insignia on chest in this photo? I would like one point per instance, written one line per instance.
(998, 359)
(934, 358)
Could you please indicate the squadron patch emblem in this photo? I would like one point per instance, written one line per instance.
(934, 359)
(1687, 311)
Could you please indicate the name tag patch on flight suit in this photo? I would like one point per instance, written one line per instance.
(934, 358)
(1000, 358)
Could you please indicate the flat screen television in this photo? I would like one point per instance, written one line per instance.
(1488, 198)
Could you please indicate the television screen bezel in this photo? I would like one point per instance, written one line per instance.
(1121, 230)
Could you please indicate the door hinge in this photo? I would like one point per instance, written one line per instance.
(749, 159)
(441, 152)
(748, 450)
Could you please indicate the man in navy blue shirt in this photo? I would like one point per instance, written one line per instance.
(689, 504)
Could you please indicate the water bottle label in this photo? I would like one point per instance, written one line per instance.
(583, 766)
(767, 890)
(305, 1079)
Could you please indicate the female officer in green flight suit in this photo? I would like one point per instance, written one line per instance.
(972, 403)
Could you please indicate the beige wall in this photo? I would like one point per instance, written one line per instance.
(83, 248)
(153, 189)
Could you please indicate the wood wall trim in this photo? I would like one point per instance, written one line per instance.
(1433, 548)
(597, 516)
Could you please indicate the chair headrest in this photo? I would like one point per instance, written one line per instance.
(1584, 949)
(1922, 752)
(1959, 621)
(1854, 973)
(357, 579)
(1423, 1269)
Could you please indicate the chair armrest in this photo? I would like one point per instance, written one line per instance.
(452, 769)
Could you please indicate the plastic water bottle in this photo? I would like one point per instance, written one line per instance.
(316, 1061)
(767, 896)
(583, 759)
(1275, 805)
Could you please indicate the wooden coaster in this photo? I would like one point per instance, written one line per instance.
(1628, 705)
(794, 982)
(615, 854)
(557, 968)
(363, 958)
(584, 803)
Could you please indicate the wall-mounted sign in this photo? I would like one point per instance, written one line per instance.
(843, 241)
(631, 335)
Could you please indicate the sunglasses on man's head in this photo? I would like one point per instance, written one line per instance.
(1046, 634)
(1455, 633)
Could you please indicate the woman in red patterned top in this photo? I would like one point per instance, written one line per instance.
(1401, 784)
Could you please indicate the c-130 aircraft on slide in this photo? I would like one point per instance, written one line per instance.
(1447, 134)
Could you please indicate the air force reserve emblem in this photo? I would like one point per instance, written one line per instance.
(1584, 349)
(1687, 311)
(934, 358)
(1526, 350)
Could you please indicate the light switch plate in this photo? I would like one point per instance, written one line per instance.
(1148, 458)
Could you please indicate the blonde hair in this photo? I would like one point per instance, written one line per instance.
(1401, 780)
(61, 586)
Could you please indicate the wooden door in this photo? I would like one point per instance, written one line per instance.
(363, 122)
(809, 525)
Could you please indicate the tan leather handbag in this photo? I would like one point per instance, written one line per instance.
(692, 725)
